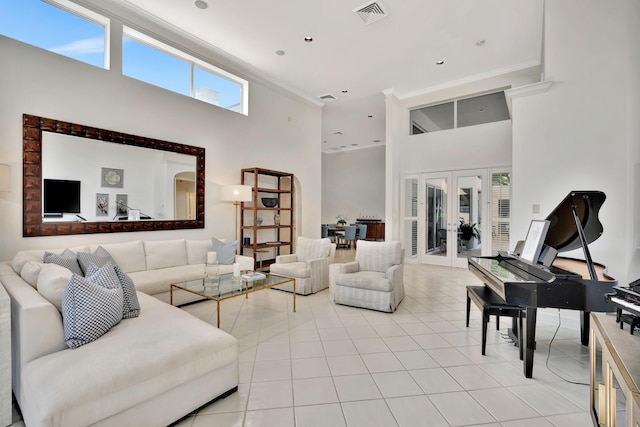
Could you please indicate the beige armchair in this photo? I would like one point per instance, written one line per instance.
(309, 265)
(373, 280)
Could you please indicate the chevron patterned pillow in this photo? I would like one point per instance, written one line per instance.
(100, 257)
(67, 259)
(91, 306)
(131, 306)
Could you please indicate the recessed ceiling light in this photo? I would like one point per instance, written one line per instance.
(201, 4)
(308, 39)
(344, 91)
(354, 145)
(376, 140)
(481, 110)
(280, 52)
(343, 146)
(481, 43)
(370, 116)
(440, 62)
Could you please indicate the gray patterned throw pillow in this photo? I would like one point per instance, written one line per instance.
(100, 257)
(130, 305)
(66, 259)
(91, 306)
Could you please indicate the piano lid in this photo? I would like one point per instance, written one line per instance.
(563, 234)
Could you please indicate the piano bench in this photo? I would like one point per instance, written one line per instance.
(492, 305)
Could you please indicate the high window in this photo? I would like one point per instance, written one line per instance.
(151, 61)
(61, 27)
(459, 113)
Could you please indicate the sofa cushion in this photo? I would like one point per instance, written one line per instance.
(197, 251)
(129, 256)
(291, 269)
(130, 305)
(30, 272)
(371, 280)
(226, 251)
(165, 253)
(307, 249)
(66, 259)
(154, 282)
(99, 258)
(51, 283)
(91, 306)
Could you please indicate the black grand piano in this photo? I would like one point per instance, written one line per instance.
(567, 283)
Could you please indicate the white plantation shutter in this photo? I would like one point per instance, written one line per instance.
(500, 211)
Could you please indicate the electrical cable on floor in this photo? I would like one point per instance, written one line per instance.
(549, 354)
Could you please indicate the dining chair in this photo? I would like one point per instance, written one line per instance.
(324, 233)
(349, 236)
(362, 232)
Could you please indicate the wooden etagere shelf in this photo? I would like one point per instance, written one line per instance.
(267, 231)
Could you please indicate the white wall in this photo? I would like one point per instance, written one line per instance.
(633, 173)
(279, 130)
(576, 136)
(353, 184)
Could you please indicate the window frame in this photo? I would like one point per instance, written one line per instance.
(192, 61)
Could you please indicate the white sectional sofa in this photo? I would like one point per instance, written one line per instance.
(152, 264)
(150, 370)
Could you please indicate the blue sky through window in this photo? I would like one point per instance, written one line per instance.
(40, 24)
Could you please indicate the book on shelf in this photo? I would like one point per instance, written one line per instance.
(250, 277)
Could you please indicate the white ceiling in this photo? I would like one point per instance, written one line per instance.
(397, 53)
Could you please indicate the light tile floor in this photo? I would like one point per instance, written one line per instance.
(331, 365)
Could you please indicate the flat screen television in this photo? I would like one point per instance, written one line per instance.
(61, 196)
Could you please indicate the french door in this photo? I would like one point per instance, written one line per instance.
(451, 208)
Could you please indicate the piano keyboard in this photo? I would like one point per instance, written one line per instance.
(628, 304)
(629, 301)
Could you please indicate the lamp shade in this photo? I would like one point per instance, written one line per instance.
(236, 193)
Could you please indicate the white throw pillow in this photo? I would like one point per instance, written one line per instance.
(51, 282)
(30, 272)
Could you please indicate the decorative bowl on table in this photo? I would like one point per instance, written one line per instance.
(270, 202)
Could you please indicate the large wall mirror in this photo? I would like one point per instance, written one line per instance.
(79, 179)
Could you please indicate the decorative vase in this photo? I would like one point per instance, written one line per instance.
(276, 219)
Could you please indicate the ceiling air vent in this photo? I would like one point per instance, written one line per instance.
(370, 12)
(327, 97)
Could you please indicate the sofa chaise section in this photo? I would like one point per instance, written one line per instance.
(148, 370)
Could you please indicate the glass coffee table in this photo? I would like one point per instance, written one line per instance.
(226, 287)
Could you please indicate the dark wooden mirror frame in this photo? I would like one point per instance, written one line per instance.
(34, 126)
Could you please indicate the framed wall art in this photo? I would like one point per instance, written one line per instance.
(112, 178)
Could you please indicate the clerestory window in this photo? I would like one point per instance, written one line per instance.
(57, 26)
(156, 63)
(459, 113)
